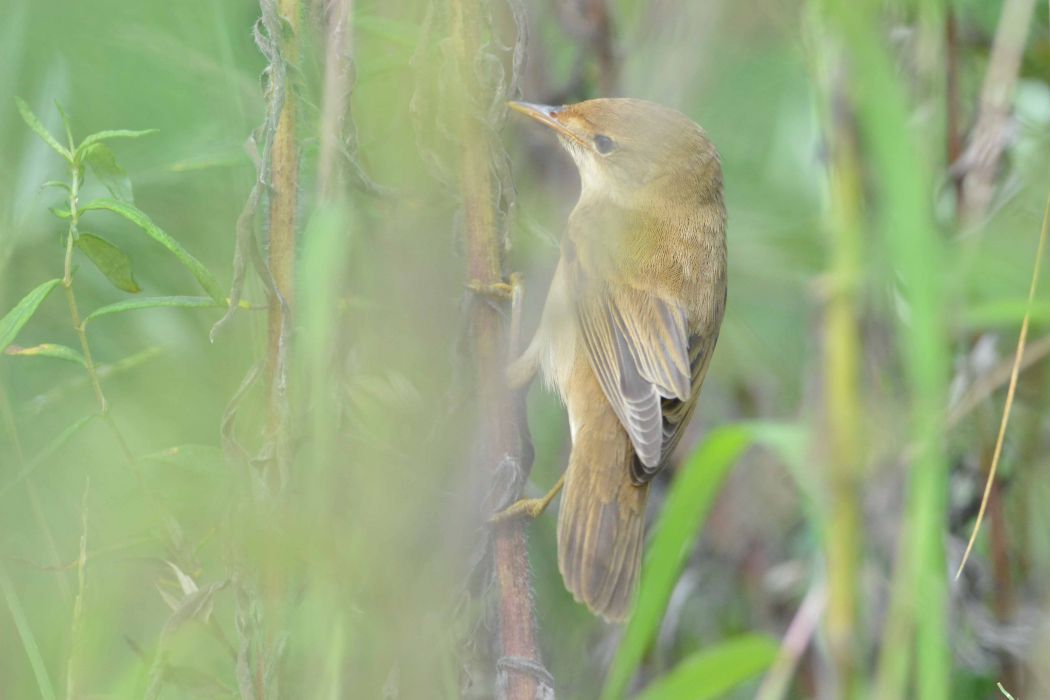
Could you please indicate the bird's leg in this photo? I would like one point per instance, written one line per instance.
(511, 290)
(529, 507)
(522, 369)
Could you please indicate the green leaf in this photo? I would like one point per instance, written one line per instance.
(139, 218)
(17, 317)
(56, 183)
(66, 123)
(110, 261)
(58, 352)
(688, 502)
(37, 126)
(60, 213)
(104, 164)
(712, 672)
(101, 136)
(154, 303)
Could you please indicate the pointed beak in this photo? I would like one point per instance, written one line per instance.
(549, 116)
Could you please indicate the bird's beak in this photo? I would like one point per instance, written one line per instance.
(548, 116)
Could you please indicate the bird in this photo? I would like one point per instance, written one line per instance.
(628, 328)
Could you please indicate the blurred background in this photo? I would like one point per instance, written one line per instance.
(208, 535)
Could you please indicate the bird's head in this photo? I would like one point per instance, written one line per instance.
(626, 148)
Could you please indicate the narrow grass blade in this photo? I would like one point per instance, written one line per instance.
(153, 303)
(19, 316)
(100, 136)
(40, 130)
(709, 673)
(25, 633)
(1014, 371)
(675, 534)
(140, 219)
(52, 350)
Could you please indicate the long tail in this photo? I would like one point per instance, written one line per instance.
(602, 517)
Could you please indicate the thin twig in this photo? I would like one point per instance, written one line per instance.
(1009, 392)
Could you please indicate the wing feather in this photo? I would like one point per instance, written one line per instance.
(636, 344)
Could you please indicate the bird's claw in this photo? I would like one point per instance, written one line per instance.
(498, 290)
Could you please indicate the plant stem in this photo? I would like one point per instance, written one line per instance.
(842, 404)
(78, 324)
(284, 196)
(502, 430)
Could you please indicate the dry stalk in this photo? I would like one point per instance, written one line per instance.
(503, 448)
(284, 195)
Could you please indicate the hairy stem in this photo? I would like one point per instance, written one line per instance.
(504, 437)
(284, 201)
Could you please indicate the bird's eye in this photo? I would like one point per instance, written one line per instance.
(604, 144)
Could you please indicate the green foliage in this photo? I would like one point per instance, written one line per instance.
(37, 126)
(19, 316)
(139, 218)
(152, 303)
(110, 260)
(713, 672)
(58, 352)
(105, 167)
(180, 590)
(674, 537)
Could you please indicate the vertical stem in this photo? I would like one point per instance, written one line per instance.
(501, 417)
(78, 326)
(284, 195)
(842, 405)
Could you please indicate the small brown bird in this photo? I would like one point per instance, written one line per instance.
(629, 325)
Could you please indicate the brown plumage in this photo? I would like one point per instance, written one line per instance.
(630, 322)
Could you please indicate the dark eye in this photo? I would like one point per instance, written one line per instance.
(604, 144)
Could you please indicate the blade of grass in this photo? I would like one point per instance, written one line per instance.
(100, 136)
(674, 537)
(25, 633)
(16, 318)
(58, 352)
(712, 672)
(915, 253)
(1011, 389)
(154, 303)
(34, 123)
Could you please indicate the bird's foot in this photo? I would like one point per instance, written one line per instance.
(531, 508)
(504, 291)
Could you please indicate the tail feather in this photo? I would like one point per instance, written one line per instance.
(602, 519)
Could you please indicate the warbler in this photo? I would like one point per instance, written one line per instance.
(628, 327)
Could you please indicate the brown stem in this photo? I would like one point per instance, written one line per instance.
(284, 181)
(504, 449)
